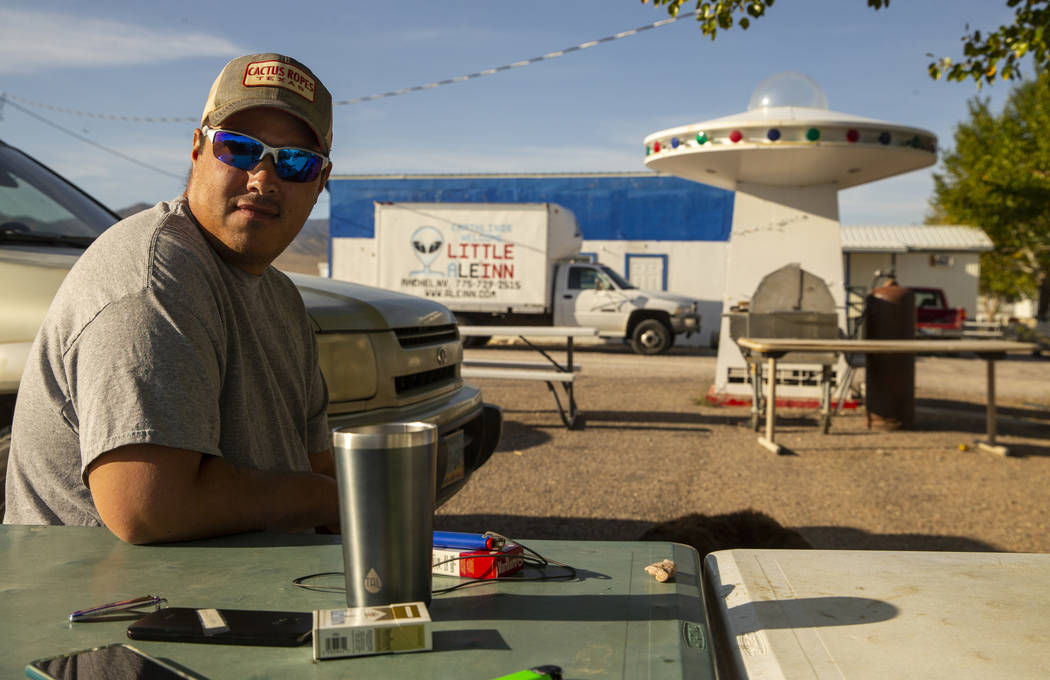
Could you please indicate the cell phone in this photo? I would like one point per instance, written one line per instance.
(235, 627)
(112, 662)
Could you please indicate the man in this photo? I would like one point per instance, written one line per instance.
(173, 391)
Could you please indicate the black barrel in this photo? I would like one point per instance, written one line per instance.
(890, 378)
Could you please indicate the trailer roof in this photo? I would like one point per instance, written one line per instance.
(922, 238)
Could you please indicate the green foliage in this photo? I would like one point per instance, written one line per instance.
(987, 56)
(998, 178)
(998, 53)
(720, 14)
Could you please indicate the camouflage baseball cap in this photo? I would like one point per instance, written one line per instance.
(271, 80)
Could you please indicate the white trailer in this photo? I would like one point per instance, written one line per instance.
(511, 264)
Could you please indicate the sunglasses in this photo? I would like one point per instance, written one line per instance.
(244, 153)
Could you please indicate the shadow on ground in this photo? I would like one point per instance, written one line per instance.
(706, 533)
(547, 344)
(1036, 413)
(518, 436)
(649, 420)
(848, 538)
(521, 431)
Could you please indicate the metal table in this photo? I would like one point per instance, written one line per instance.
(773, 348)
(563, 374)
(614, 621)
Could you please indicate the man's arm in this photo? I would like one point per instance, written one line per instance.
(153, 494)
(323, 462)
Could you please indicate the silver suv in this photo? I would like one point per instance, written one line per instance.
(387, 357)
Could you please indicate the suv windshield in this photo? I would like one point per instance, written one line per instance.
(36, 205)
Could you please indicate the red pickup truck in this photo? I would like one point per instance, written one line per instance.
(934, 318)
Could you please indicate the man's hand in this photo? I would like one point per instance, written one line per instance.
(153, 494)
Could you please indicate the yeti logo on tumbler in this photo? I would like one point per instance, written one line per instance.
(373, 583)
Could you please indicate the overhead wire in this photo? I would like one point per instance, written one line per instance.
(16, 101)
(517, 64)
(7, 100)
(384, 95)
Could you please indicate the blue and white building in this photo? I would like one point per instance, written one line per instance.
(661, 232)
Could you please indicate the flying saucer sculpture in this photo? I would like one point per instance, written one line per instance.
(788, 137)
(786, 157)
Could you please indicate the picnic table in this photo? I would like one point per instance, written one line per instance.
(550, 371)
(771, 349)
(612, 620)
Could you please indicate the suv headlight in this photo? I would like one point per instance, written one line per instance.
(348, 364)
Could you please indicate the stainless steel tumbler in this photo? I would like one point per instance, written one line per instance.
(387, 476)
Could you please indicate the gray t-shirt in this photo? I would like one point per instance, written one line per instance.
(152, 338)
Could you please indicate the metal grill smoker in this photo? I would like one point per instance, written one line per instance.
(788, 303)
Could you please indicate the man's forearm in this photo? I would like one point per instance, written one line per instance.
(272, 501)
(150, 494)
(323, 462)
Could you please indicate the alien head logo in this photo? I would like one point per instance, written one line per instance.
(427, 242)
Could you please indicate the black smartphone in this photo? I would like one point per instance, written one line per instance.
(112, 662)
(225, 626)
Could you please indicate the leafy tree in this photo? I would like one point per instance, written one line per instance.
(987, 55)
(998, 178)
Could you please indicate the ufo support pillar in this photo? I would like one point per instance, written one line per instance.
(773, 226)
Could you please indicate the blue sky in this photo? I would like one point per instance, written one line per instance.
(587, 111)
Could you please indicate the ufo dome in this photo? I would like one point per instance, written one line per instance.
(788, 89)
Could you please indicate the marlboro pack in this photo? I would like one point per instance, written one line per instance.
(478, 563)
(390, 629)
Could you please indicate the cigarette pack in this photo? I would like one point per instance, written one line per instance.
(478, 563)
(389, 629)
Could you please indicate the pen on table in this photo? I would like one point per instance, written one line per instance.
(110, 607)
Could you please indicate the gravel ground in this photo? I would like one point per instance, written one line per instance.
(653, 451)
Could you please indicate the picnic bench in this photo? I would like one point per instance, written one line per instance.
(772, 349)
(550, 371)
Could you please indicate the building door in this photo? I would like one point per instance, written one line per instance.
(648, 272)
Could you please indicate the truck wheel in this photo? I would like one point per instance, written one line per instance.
(651, 337)
(476, 340)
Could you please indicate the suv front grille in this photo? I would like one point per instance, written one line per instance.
(426, 335)
(415, 381)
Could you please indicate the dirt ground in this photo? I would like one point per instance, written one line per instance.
(654, 451)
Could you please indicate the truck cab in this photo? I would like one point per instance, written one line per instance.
(933, 316)
(592, 294)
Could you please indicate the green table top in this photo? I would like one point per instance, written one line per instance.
(614, 621)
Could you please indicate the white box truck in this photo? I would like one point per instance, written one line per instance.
(515, 264)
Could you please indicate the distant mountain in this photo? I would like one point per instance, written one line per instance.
(303, 255)
(307, 251)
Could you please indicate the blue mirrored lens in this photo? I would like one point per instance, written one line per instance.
(298, 165)
(244, 153)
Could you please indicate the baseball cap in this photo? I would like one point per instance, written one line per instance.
(271, 80)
